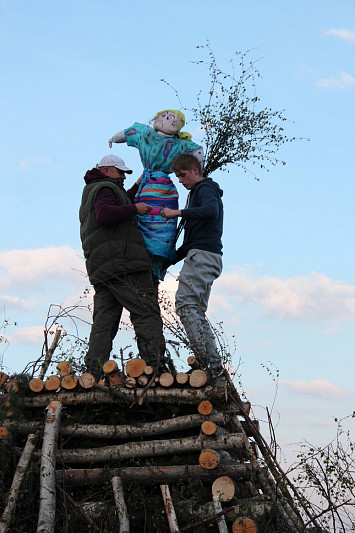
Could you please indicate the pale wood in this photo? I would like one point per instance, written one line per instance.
(207, 520)
(122, 511)
(223, 488)
(142, 380)
(3, 432)
(36, 385)
(130, 382)
(169, 509)
(64, 368)
(3, 378)
(69, 381)
(52, 383)
(192, 361)
(12, 386)
(86, 380)
(166, 379)
(198, 378)
(47, 496)
(104, 395)
(152, 474)
(49, 354)
(154, 448)
(135, 367)
(244, 525)
(182, 378)
(221, 521)
(205, 407)
(109, 366)
(11, 500)
(211, 458)
(148, 370)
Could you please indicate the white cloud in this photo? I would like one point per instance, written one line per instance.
(347, 35)
(343, 81)
(318, 387)
(9, 302)
(25, 164)
(311, 298)
(29, 335)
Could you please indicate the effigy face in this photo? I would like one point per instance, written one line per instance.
(168, 122)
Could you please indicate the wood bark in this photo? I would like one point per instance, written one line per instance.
(86, 380)
(151, 475)
(3, 378)
(109, 366)
(198, 378)
(223, 488)
(221, 521)
(122, 511)
(104, 395)
(166, 379)
(159, 427)
(156, 448)
(244, 525)
(3, 433)
(52, 383)
(47, 496)
(64, 368)
(20, 472)
(135, 367)
(12, 385)
(169, 509)
(49, 354)
(211, 458)
(36, 385)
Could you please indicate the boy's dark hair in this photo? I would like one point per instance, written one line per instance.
(185, 162)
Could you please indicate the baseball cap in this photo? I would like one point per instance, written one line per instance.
(114, 161)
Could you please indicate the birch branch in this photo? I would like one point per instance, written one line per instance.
(49, 353)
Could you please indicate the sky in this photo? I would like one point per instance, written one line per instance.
(74, 73)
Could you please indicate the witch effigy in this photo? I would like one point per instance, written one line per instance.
(158, 145)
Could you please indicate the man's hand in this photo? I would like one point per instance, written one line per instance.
(143, 209)
(170, 213)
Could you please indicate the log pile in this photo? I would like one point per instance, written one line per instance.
(174, 442)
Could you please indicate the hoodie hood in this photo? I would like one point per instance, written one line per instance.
(94, 174)
(210, 183)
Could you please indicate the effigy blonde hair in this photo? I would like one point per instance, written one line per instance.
(182, 134)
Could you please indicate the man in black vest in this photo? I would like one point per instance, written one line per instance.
(118, 265)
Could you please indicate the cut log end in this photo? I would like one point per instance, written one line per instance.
(116, 378)
(86, 380)
(135, 367)
(208, 459)
(3, 433)
(223, 488)
(109, 366)
(244, 525)
(205, 407)
(198, 378)
(36, 385)
(166, 379)
(3, 378)
(130, 382)
(64, 368)
(208, 427)
(69, 381)
(182, 378)
(192, 361)
(52, 383)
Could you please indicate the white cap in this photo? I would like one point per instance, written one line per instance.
(114, 161)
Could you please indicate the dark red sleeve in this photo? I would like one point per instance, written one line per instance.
(108, 212)
(132, 192)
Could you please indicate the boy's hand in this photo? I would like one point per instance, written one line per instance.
(170, 213)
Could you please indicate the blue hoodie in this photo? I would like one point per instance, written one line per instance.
(203, 219)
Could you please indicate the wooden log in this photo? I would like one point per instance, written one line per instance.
(166, 379)
(221, 521)
(64, 368)
(116, 378)
(169, 509)
(130, 382)
(156, 448)
(69, 381)
(148, 370)
(20, 472)
(150, 475)
(47, 496)
(223, 488)
(52, 383)
(36, 385)
(104, 395)
(142, 380)
(12, 385)
(198, 378)
(246, 428)
(182, 378)
(135, 367)
(205, 407)
(244, 525)
(192, 361)
(110, 366)
(50, 352)
(86, 380)
(211, 458)
(208, 427)
(3, 433)
(3, 378)
(118, 494)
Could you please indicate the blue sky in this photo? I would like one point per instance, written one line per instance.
(74, 73)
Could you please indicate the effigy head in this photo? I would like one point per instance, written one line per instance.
(169, 121)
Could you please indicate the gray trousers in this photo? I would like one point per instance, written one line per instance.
(199, 271)
(136, 293)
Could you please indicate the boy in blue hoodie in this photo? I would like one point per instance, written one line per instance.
(202, 253)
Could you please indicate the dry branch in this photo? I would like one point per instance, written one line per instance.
(152, 474)
(47, 497)
(118, 494)
(169, 509)
(49, 354)
(16, 483)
